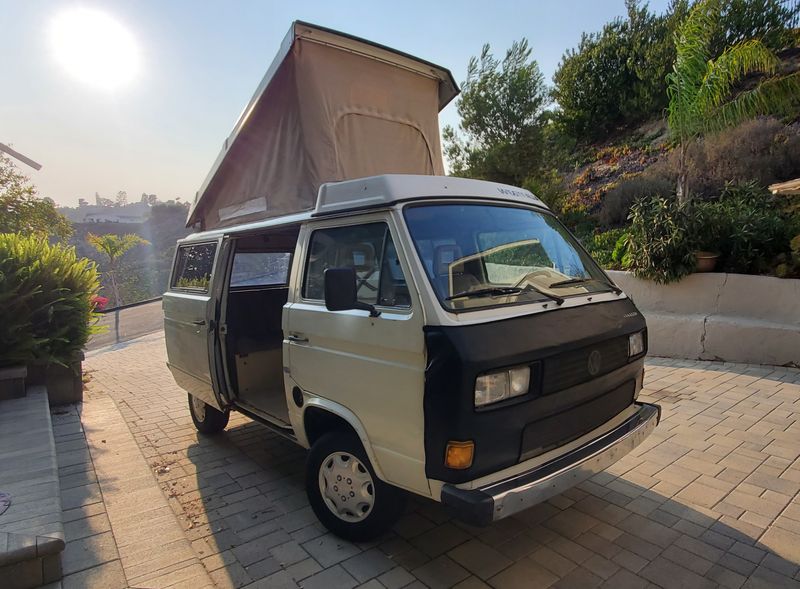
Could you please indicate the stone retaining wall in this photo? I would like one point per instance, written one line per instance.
(718, 316)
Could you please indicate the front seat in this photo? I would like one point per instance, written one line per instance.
(445, 266)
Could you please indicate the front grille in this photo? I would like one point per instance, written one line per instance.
(571, 368)
(554, 431)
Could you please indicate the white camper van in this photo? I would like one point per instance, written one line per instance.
(418, 333)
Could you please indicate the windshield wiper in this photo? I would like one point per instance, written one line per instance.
(574, 281)
(553, 297)
(486, 292)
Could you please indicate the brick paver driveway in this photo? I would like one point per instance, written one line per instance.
(710, 499)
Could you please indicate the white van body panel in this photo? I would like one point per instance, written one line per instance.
(372, 366)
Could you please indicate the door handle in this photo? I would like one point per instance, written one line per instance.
(298, 339)
(199, 322)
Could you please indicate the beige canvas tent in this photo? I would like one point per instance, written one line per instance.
(331, 107)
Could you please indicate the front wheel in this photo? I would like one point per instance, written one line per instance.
(206, 418)
(344, 492)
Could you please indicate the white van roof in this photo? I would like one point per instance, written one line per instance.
(379, 191)
(383, 191)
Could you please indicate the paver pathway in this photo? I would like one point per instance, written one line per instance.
(710, 499)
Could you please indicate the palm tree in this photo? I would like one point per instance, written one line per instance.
(702, 90)
(114, 247)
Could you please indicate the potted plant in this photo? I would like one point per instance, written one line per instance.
(46, 312)
(706, 261)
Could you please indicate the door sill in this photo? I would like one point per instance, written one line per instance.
(277, 425)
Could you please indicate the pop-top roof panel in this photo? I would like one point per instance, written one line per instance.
(330, 107)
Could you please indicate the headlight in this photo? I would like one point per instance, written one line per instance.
(502, 384)
(635, 344)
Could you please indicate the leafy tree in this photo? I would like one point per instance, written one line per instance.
(615, 78)
(702, 89)
(113, 247)
(22, 211)
(501, 108)
(771, 21)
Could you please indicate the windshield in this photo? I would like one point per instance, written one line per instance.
(487, 255)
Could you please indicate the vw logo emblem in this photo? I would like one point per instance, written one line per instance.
(595, 362)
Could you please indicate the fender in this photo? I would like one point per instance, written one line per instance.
(311, 400)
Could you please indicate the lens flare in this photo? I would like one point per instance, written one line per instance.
(95, 48)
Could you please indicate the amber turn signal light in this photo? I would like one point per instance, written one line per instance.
(459, 455)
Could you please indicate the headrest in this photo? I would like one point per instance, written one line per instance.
(361, 256)
(443, 256)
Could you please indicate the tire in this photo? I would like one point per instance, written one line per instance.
(206, 418)
(340, 454)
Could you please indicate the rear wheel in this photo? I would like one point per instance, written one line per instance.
(206, 418)
(344, 492)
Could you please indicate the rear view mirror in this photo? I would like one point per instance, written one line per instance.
(341, 291)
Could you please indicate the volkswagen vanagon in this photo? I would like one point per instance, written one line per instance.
(419, 334)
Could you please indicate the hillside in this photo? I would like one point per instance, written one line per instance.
(641, 163)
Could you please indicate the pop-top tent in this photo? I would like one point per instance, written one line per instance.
(331, 107)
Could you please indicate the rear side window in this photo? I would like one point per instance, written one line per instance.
(260, 269)
(370, 251)
(193, 266)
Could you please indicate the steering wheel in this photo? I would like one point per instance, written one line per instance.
(531, 275)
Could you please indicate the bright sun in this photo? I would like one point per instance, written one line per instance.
(95, 48)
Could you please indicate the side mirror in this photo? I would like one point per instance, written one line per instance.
(341, 292)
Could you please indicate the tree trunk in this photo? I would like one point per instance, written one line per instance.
(682, 190)
(114, 288)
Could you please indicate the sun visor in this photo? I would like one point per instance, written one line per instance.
(331, 107)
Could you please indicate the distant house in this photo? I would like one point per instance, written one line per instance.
(137, 212)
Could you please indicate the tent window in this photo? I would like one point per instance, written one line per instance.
(369, 145)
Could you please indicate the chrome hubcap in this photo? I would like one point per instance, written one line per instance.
(346, 487)
(199, 409)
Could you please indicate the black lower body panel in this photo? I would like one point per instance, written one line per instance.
(545, 434)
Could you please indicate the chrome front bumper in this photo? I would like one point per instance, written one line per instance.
(486, 504)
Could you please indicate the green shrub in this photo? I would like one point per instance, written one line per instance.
(46, 309)
(745, 226)
(617, 202)
(660, 243)
(608, 248)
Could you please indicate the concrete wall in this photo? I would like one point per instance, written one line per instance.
(716, 316)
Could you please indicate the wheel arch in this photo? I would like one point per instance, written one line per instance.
(321, 416)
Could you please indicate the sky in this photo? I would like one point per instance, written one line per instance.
(155, 118)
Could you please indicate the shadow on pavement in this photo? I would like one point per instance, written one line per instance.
(255, 523)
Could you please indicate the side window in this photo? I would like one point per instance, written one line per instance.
(366, 248)
(193, 266)
(260, 269)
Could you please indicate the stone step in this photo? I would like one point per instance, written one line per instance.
(31, 529)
